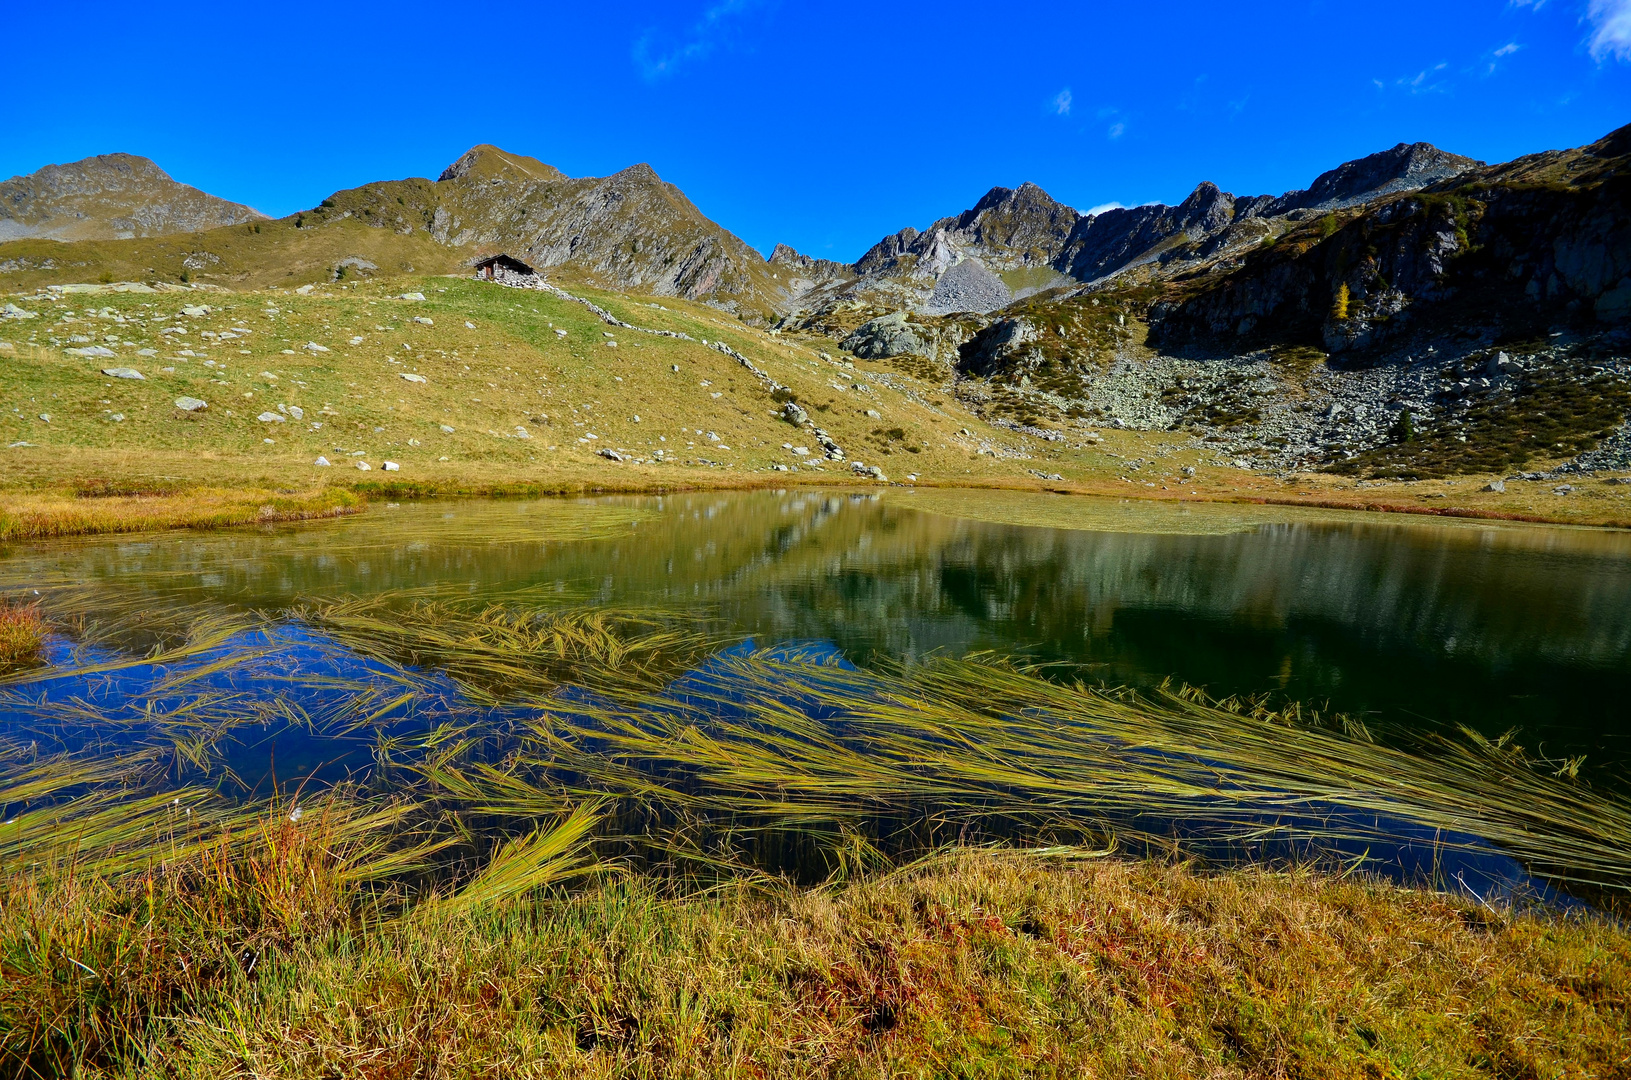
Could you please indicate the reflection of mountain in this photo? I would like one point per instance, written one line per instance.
(1497, 627)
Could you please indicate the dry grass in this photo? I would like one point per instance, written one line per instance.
(37, 516)
(22, 632)
(972, 964)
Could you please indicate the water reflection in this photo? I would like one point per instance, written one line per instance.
(1415, 622)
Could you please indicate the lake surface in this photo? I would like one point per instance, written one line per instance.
(1403, 621)
(787, 650)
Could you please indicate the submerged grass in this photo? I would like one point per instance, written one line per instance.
(581, 861)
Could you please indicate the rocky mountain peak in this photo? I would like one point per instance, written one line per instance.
(106, 197)
(1406, 167)
(489, 162)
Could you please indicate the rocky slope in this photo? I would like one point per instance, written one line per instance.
(1413, 313)
(629, 231)
(110, 196)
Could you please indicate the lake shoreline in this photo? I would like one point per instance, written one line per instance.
(102, 507)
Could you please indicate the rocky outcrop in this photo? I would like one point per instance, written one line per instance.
(628, 231)
(1482, 252)
(108, 197)
(888, 335)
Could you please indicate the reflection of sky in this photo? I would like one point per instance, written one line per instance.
(299, 708)
(1497, 627)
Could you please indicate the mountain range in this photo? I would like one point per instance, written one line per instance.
(1373, 294)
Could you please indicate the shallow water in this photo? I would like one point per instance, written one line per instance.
(1407, 621)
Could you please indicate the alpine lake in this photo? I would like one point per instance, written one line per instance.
(793, 682)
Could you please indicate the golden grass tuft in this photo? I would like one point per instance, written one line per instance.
(22, 631)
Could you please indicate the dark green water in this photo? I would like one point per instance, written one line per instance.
(1405, 621)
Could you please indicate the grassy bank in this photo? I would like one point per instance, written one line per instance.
(971, 964)
(38, 515)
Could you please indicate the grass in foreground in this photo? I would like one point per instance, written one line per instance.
(971, 964)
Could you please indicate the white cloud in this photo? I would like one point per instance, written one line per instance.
(1116, 130)
(1611, 29)
(1061, 104)
(1095, 211)
(700, 41)
(1507, 50)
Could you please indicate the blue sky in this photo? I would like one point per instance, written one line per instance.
(822, 125)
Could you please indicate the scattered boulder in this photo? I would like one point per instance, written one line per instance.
(314, 348)
(197, 311)
(794, 414)
(322, 461)
(123, 373)
(91, 351)
(12, 311)
(390, 466)
(609, 454)
(191, 404)
(422, 321)
(270, 418)
(447, 429)
(1497, 486)
(297, 412)
(411, 377)
(868, 470)
(412, 296)
(363, 466)
(885, 336)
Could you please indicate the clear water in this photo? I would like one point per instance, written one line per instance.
(1410, 622)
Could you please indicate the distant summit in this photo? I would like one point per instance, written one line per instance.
(109, 197)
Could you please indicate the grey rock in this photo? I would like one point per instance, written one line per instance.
(270, 418)
(885, 336)
(122, 373)
(794, 414)
(191, 404)
(609, 454)
(1496, 486)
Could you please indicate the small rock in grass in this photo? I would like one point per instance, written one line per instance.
(197, 311)
(270, 418)
(412, 296)
(422, 321)
(190, 404)
(355, 341)
(117, 417)
(609, 454)
(297, 412)
(321, 460)
(468, 325)
(411, 377)
(314, 348)
(123, 373)
(1497, 486)
(391, 466)
(363, 466)
(91, 351)
(447, 429)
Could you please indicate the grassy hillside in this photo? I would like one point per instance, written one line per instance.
(533, 361)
